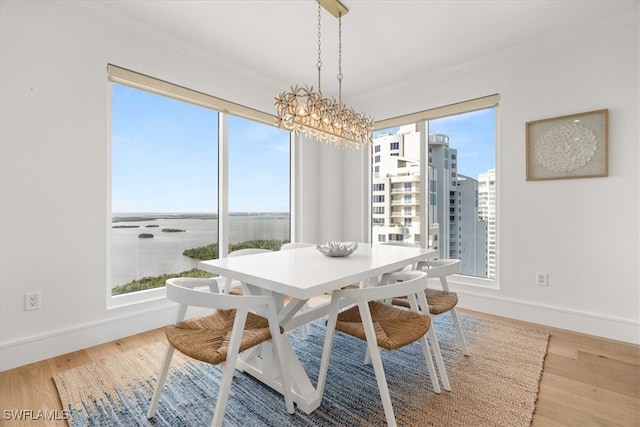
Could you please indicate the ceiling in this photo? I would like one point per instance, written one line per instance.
(385, 42)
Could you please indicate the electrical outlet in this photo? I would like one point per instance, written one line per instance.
(32, 300)
(542, 279)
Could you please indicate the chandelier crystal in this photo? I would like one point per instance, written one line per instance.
(303, 110)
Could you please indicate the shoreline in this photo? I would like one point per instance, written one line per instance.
(152, 216)
(133, 258)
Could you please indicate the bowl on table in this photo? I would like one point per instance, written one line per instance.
(338, 249)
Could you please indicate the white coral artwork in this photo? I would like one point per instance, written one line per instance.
(566, 147)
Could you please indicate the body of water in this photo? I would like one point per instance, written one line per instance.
(133, 257)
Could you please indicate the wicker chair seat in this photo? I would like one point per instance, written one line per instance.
(394, 327)
(207, 338)
(439, 301)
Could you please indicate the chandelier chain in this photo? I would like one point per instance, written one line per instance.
(304, 110)
(340, 58)
(319, 64)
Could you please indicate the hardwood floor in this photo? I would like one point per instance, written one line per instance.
(586, 381)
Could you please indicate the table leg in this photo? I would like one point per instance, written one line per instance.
(266, 370)
(263, 365)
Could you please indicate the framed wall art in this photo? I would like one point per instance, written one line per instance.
(573, 146)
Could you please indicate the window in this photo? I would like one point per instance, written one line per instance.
(164, 185)
(378, 210)
(459, 143)
(164, 181)
(395, 146)
(258, 184)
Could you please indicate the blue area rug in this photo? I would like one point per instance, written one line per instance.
(496, 385)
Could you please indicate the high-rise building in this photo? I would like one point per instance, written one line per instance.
(396, 187)
(469, 229)
(487, 213)
(456, 229)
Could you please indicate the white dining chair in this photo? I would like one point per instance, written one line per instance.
(442, 300)
(240, 322)
(382, 326)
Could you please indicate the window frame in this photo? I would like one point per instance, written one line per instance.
(422, 118)
(224, 108)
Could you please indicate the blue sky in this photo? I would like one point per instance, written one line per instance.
(259, 172)
(165, 155)
(473, 135)
(165, 158)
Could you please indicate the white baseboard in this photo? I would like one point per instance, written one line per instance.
(627, 330)
(33, 349)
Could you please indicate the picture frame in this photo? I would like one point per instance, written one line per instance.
(565, 147)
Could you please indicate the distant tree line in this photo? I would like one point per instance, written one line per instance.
(202, 253)
(156, 281)
(211, 251)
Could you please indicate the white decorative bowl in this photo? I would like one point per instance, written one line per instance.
(338, 249)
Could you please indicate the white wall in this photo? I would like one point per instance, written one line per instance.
(55, 178)
(55, 172)
(583, 232)
(331, 192)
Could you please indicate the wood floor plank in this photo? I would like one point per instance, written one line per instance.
(622, 351)
(563, 349)
(567, 416)
(27, 390)
(552, 386)
(623, 372)
(600, 377)
(543, 421)
(592, 404)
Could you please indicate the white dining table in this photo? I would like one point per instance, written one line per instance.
(301, 274)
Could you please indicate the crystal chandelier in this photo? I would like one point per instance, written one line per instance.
(303, 110)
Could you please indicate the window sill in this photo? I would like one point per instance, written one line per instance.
(475, 282)
(134, 298)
